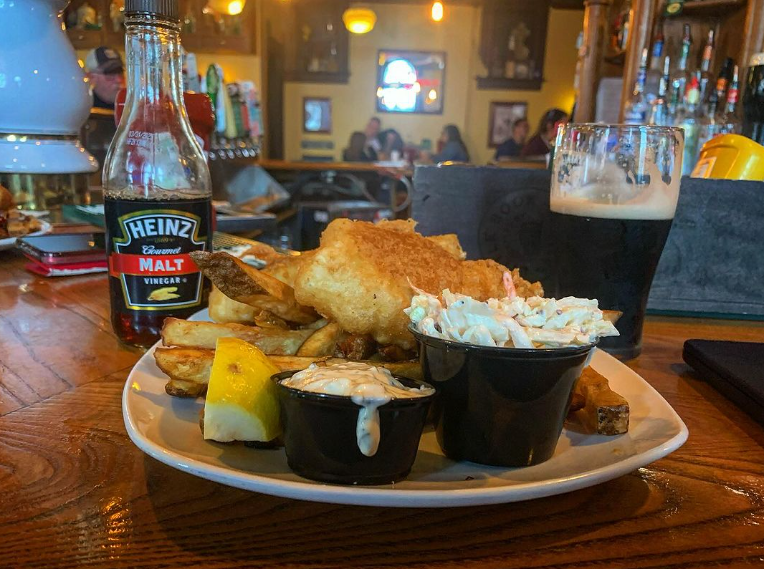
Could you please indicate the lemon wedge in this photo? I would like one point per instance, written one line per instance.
(242, 401)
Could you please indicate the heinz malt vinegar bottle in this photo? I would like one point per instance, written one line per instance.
(156, 184)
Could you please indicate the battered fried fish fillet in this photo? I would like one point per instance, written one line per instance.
(360, 276)
(450, 242)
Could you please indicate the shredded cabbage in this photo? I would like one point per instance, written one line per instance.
(512, 321)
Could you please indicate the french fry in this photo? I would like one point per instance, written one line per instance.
(180, 388)
(185, 364)
(264, 252)
(193, 365)
(611, 315)
(410, 370)
(605, 411)
(225, 310)
(188, 334)
(288, 310)
(245, 284)
(321, 342)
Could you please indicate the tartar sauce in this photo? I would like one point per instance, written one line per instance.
(367, 386)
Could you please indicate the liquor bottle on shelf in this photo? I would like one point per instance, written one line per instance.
(709, 126)
(687, 118)
(674, 102)
(637, 108)
(652, 84)
(729, 119)
(659, 113)
(722, 82)
(753, 100)
(681, 76)
(706, 79)
(621, 28)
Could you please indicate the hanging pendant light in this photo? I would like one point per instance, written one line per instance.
(359, 19)
(226, 7)
(437, 11)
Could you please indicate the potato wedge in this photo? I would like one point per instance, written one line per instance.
(287, 310)
(264, 252)
(193, 364)
(225, 310)
(604, 412)
(322, 342)
(410, 370)
(245, 284)
(189, 389)
(185, 364)
(611, 315)
(185, 333)
(235, 278)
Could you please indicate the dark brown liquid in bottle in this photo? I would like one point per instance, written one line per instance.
(156, 185)
(139, 328)
(151, 275)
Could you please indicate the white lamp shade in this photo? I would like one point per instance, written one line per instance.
(42, 87)
(45, 155)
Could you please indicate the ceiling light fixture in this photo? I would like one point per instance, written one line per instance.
(226, 7)
(359, 19)
(437, 11)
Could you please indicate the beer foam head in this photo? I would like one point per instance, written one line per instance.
(599, 188)
(653, 210)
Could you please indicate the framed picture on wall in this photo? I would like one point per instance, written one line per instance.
(317, 115)
(501, 116)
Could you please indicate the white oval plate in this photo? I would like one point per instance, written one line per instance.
(167, 429)
(10, 242)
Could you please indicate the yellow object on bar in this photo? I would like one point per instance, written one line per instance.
(731, 157)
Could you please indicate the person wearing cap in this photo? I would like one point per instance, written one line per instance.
(106, 74)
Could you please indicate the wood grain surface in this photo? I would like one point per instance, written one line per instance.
(75, 492)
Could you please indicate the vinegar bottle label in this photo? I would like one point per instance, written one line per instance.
(149, 244)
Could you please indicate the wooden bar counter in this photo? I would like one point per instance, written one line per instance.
(75, 492)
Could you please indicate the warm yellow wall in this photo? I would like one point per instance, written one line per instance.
(557, 89)
(235, 67)
(398, 27)
(401, 26)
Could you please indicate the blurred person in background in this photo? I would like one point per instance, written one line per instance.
(106, 74)
(453, 148)
(391, 145)
(540, 143)
(514, 144)
(356, 150)
(372, 144)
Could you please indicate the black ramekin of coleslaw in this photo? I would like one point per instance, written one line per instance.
(500, 406)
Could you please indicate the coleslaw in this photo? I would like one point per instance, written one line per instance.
(513, 321)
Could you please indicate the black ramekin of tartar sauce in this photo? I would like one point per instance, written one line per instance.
(321, 441)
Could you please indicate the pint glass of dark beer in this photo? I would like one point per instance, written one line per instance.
(613, 196)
